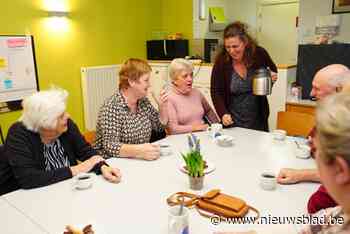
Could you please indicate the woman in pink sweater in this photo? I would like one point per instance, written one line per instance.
(187, 107)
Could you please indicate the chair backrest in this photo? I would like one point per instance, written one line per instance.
(295, 123)
(8, 182)
(2, 136)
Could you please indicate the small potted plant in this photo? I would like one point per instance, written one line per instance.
(194, 163)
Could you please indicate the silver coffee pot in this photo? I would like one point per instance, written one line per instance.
(262, 82)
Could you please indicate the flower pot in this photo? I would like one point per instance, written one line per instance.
(196, 183)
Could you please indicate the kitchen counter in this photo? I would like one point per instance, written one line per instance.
(302, 106)
(302, 102)
(197, 62)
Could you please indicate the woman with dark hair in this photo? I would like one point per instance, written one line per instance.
(231, 80)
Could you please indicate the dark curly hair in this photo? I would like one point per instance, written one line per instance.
(239, 29)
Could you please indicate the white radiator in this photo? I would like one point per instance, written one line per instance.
(98, 83)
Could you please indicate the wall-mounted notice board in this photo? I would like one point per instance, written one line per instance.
(18, 71)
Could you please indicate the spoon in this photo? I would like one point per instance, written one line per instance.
(297, 144)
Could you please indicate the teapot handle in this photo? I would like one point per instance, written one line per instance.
(268, 68)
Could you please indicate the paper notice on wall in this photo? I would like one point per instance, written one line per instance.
(3, 63)
(327, 24)
(17, 68)
(16, 42)
(327, 20)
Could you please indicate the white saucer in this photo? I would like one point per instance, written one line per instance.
(207, 170)
(76, 187)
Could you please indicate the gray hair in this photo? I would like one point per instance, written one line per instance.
(42, 109)
(178, 65)
(333, 126)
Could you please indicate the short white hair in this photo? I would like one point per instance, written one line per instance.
(42, 109)
(178, 65)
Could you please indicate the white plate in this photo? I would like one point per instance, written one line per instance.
(207, 170)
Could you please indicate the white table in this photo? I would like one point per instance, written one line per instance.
(138, 203)
(13, 221)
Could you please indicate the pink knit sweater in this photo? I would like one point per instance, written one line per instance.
(187, 110)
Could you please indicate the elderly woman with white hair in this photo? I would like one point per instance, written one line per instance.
(187, 107)
(44, 146)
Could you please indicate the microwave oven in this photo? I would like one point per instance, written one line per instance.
(166, 49)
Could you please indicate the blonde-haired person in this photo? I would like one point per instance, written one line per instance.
(187, 107)
(127, 120)
(333, 160)
(44, 145)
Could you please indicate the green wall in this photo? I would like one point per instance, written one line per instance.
(96, 33)
(177, 17)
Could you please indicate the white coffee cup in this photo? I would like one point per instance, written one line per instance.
(178, 223)
(165, 149)
(279, 134)
(224, 140)
(214, 130)
(83, 181)
(268, 181)
(302, 151)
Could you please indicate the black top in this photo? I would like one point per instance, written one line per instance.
(24, 151)
(244, 106)
(7, 180)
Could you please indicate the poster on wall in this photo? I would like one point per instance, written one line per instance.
(341, 6)
(18, 72)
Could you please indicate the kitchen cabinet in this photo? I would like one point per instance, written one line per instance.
(201, 75)
(201, 81)
(278, 97)
(159, 77)
(301, 107)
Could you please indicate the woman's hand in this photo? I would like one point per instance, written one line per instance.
(163, 107)
(111, 174)
(227, 119)
(199, 127)
(87, 165)
(274, 76)
(148, 151)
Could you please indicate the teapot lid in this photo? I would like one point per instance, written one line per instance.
(262, 71)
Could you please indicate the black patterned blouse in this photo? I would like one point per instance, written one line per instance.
(117, 125)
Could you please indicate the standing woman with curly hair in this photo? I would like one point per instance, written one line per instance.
(231, 80)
